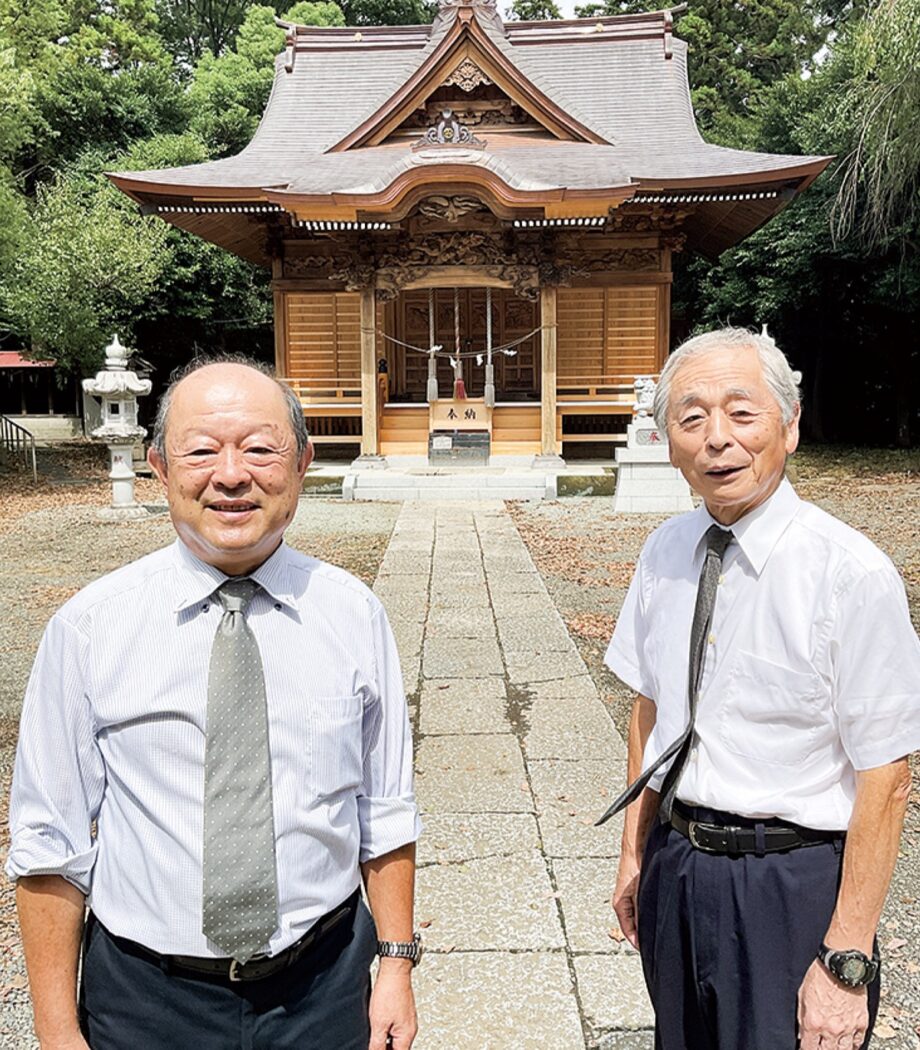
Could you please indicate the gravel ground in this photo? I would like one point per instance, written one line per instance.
(51, 544)
(586, 555)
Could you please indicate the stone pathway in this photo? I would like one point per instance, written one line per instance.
(516, 757)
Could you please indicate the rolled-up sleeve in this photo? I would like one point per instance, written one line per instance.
(876, 655)
(387, 810)
(59, 777)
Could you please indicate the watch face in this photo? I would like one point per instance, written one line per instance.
(853, 970)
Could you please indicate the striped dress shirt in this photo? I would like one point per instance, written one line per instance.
(113, 732)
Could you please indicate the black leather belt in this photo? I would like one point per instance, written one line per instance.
(728, 838)
(257, 968)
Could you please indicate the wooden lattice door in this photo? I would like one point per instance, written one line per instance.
(516, 377)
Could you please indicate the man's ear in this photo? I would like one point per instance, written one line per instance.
(306, 458)
(792, 430)
(157, 463)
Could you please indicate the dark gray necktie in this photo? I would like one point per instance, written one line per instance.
(717, 540)
(239, 888)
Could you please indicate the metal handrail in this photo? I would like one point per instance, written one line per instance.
(20, 442)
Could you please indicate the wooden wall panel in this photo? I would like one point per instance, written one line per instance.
(323, 332)
(607, 334)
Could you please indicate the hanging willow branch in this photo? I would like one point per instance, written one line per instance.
(880, 177)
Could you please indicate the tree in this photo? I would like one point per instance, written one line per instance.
(880, 177)
(189, 28)
(844, 308)
(88, 262)
(207, 298)
(534, 10)
(388, 12)
(229, 92)
(738, 49)
(105, 81)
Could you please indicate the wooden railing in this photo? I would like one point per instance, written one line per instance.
(616, 388)
(19, 443)
(319, 391)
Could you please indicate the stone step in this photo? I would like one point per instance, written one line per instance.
(386, 485)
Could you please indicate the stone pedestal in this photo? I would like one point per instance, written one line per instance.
(646, 481)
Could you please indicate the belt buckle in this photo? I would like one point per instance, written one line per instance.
(234, 972)
(692, 825)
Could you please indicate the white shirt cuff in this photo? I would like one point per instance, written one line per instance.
(386, 824)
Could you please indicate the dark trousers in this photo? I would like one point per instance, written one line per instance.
(726, 940)
(129, 1002)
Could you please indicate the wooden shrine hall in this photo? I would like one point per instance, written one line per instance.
(475, 208)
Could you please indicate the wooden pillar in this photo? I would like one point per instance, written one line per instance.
(368, 373)
(281, 348)
(664, 310)
(548, 377)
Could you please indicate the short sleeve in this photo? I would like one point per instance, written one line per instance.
(875, 655)
(59, 776)
(387, 810)
(625, 654)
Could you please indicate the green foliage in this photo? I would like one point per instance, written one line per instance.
(13, 219)
(389, 12)
(87, 262)
(189, 28)
(229, 92)
(737, 50)
(880, 177)
(96, 73)
(534, 10)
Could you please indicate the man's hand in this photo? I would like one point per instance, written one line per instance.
(830, 1014)
(625, 898)
(392, 1010)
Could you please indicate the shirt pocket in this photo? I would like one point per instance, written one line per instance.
(336, 744)
(771, 713)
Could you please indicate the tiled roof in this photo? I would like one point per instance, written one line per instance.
(612, 75)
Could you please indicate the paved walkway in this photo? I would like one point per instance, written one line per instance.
(516, 757)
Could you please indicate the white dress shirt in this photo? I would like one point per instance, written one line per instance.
(812, 665)
(113, 731)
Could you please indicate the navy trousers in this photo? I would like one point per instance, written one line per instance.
(128, 1001)
(726, 940)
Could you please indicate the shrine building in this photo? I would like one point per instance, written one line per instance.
(475, 208)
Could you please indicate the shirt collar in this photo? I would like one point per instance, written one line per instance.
(200, 580)
(758, 531)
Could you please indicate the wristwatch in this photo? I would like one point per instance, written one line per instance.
(850, 967)
(411, 950)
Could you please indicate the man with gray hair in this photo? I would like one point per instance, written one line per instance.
(778, 682)
(214, 754)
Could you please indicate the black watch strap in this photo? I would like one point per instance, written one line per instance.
(850, 966)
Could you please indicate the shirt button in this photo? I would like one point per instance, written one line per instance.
(693, 754)
(721, 580)
(712, 639)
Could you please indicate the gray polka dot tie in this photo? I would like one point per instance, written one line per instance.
(240, 897)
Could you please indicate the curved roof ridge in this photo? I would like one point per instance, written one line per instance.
(500, 40)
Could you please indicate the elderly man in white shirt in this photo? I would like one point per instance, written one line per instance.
(214, 750)
(769, 771)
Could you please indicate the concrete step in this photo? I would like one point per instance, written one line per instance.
(387, 485)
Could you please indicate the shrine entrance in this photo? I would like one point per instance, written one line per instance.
(457, 318)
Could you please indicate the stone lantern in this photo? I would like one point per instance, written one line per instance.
(118, 389)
